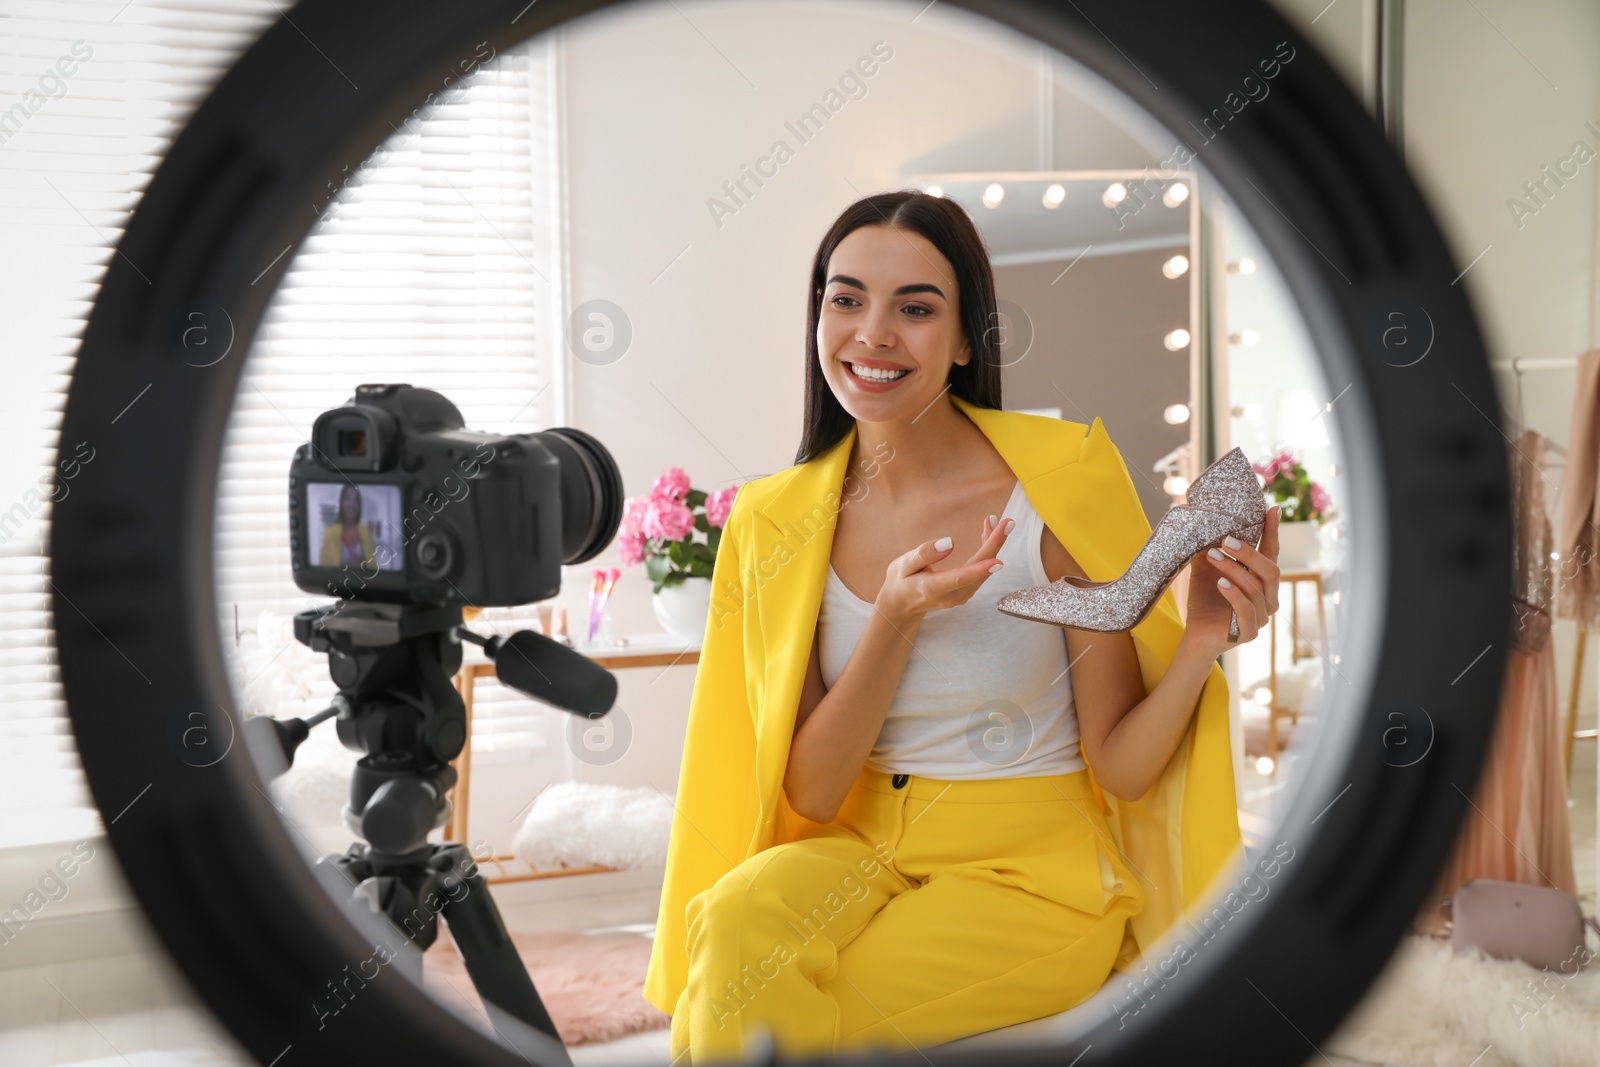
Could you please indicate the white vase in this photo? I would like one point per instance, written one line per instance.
(1299, 546)
(682, 609)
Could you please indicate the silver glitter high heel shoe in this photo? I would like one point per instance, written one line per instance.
(1225, 499)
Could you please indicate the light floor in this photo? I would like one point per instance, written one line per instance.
(137, 1010)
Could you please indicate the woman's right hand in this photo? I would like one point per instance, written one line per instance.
(910, 590)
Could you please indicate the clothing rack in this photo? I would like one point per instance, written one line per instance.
(1520, 364)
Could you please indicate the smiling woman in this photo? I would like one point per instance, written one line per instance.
(902, 310)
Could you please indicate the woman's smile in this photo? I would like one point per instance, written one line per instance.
(874, 375)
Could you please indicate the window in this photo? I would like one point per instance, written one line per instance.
(431, 267)
(93, 92)
(435, 265)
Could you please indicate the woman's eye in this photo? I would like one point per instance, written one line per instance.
(920, 312)
(840, 297)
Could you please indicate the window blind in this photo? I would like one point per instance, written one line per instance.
(421, 271)
(91, 94)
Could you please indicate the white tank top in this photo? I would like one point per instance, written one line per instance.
(984, 695)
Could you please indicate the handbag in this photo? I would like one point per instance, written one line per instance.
(1538, 925)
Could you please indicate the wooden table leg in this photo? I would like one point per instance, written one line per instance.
(1272, 686)
(1294, 622)
(1572, 703)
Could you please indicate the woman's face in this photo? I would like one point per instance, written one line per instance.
(889, 303)
(350, 505)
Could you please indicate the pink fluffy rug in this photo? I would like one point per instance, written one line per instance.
(591, 986)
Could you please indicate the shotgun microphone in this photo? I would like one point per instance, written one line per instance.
(547, 670)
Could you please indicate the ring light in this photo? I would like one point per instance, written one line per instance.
(202, 846)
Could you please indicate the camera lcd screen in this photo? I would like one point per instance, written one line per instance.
(354, 526)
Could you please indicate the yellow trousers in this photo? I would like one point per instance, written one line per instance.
(926, 911)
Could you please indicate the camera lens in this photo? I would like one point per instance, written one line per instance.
(591, 492)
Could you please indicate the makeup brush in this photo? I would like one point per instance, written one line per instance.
(611, 577)
(595, 583)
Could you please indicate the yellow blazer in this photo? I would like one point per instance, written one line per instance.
(766, 592)
(332, 556)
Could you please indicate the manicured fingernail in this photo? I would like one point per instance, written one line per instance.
(994, 520)
(996, 567)
(942, 545)
(1215, 553)
(1224, 583)
(1010, 523)
(1231, 541)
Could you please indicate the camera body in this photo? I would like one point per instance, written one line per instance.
(392, 500)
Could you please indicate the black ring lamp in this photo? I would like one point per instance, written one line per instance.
(135, 613)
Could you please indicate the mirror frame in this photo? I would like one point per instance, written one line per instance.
(1185, 459)
(206, 853)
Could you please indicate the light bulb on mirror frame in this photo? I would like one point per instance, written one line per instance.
(1176, 267)
(1244, 338)
(1242, 265)
(1177, 340)
(1264, 765)
(1176, 194)
(935, 190)
(1054, 196)
(994, 194)
(1176, 414)
(1262, 695)
(1175, 485)
(1115, 194)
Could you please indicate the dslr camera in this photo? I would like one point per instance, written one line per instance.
(393, 501)
(405, 516)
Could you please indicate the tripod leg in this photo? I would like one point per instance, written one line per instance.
(497, 971)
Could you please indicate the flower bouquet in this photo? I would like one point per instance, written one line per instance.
(660, 530)
(1305, 506)
(1287, 481)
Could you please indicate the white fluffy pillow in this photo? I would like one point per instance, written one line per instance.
(579, 824)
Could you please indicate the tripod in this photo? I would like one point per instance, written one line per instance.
(396, 703)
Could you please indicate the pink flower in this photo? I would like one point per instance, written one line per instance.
(672, 485)
(630, 534)
(1269, 468)
(630, 546)
(668, 520)
(719, 504)
(1320, 500)
(633, 513)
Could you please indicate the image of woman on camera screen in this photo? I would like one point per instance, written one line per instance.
(347, 542)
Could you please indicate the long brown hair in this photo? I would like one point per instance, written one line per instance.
(946, 225)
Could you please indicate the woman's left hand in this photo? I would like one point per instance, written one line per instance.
(1243, 582)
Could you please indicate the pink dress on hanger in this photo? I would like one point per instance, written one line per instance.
(1517, 829)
